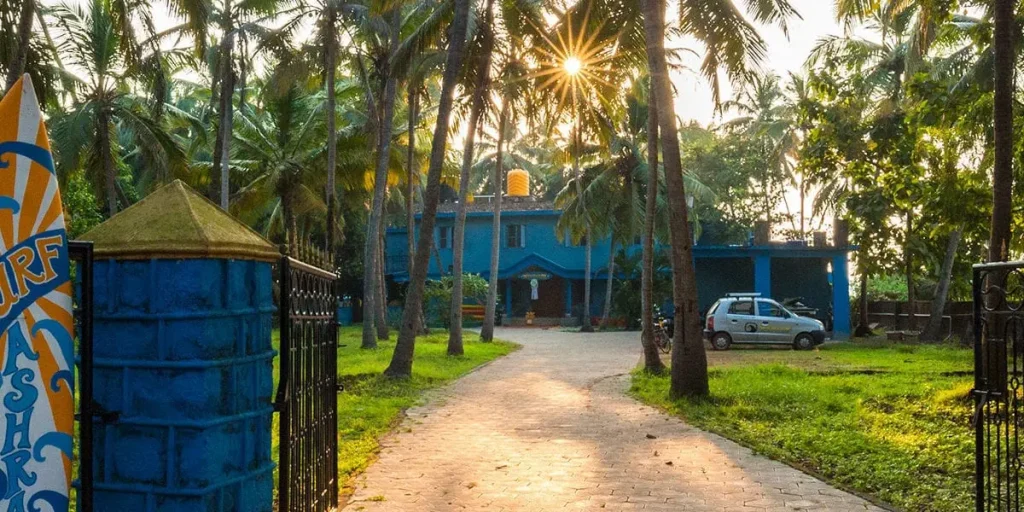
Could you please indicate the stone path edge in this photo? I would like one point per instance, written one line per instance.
(347, 488)
(870, 498)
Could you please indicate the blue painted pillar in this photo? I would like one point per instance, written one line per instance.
(183, 356)
(508, 298)
(568, 297)
(840, 298)
(763, 274)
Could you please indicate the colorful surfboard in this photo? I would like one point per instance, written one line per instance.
(36, 347)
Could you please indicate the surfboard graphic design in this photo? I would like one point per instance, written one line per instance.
(36, 347)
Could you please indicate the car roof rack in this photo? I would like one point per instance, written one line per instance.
(744, 295)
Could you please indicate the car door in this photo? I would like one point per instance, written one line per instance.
(774, 324)
(743, 325)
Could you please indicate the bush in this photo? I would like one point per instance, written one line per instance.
(438, 295)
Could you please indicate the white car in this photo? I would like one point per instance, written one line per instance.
(748, 318)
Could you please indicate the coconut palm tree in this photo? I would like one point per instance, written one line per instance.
(766, 117)
(278, 142)
(478, 67)
(238, 23)
(1002, 125)
(107, 109)
(731, 43)
(21, 39)
(389, 35)
(401, 360)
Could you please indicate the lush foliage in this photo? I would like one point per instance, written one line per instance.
(438, 295)
(892, 421)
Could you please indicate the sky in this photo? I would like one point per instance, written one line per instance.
(785, 55)
(694, 101)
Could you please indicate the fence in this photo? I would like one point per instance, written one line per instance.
(998, 384)
(307, 399)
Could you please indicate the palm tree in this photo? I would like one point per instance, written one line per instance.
(731, 42)
(378, 36)
(766, 117)
(277, 148)
(481, 75)
(520, 21)
(1002, 124)
(107, 109)
(19, 57)
(401, 361)
(238, 22)
(652, 359)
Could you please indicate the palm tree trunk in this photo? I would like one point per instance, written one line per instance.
(652, 360)
(455, 346)
(577, 173)
(332, 127)
(410, 190)
(371, 280)
(410, 169)
(908, 260)
(401, 360)
(227, 87)
(290, 228)
(487, 331)
(863, 329)
(689, 361)
(607, 309)
(107, 159)
(1002, 183)
(932, 329)
(16, 67)
(382, 293)
(803, 200)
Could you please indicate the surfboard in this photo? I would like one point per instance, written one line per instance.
(36, 346)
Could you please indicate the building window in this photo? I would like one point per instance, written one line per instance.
(515, 236)
(444, 237)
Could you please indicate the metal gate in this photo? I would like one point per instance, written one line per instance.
(80, 254)
(998, 384)
(307, 398)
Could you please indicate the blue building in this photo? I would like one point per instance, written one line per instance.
(531, 250)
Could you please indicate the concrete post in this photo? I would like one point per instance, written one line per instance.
(763, 274)
(840, 298)
(183, 359)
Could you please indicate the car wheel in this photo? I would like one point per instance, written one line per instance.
(721, 341)
(803, 341)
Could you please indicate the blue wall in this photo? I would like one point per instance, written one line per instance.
(778, 270)
(183, 356)
(541, 242)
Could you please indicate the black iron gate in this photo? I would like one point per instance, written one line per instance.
(307, 399)
(80, 254)
(998, 384)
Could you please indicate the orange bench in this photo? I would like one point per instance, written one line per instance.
(473, 311)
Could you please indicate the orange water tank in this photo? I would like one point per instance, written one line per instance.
(518, 183)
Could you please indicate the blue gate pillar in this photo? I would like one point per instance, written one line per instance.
(763, 274)
(183, 359)
(840, 298)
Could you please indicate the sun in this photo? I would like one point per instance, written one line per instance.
(573, 65)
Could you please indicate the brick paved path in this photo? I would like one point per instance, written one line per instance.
(550, 428)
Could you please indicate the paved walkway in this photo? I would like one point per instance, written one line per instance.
(550, 428)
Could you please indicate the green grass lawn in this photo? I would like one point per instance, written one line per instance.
(371, 405)
(891, 421)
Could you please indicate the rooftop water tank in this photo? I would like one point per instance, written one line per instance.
(518, 183)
